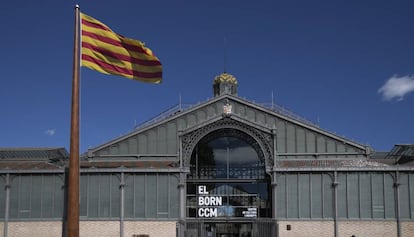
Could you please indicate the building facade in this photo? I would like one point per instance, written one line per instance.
(226, 167)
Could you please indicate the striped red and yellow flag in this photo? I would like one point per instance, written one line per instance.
(108, 52)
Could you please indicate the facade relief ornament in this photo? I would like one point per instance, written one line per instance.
(227, 109)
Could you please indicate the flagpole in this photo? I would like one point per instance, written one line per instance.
(73, 189)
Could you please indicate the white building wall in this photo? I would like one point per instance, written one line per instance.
(306, 228)
(35, 229)
(367, 228)
(168, 228)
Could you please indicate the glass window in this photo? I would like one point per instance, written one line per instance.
(2, 195)
(227, 154)
(151, 192)
(163, 195)
(93, 195)
(115, 196)
(151, 195)
(104, 196)
(36, 196)
(139, 181)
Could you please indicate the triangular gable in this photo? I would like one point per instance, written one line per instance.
(294, 137)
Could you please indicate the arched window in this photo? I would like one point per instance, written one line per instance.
(227, 154)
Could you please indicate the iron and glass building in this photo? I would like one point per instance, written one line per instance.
(227, 167)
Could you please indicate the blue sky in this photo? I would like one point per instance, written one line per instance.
(346, 65)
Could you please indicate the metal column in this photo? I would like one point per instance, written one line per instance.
(274, 185)
(335, 203)
(122, 211)
(7, 205)
(397, 202)
(181, 187)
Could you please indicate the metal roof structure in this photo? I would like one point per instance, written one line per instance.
(181, 111)
(32, 158)
(401, 154)
(33, 153)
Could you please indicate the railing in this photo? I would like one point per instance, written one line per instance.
(183, 107)
(213, 172)
(288, 113)
(167, 113)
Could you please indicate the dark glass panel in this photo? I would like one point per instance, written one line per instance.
(83, 195)
(139, 182)
(129, 196)
(2, 195)
(59, 198)
(163, 195)
(304, 196)
(115, 196)
(93, 195)
(151, 192)
(281, 196)
(389, 198)
(227, 154)
(36, 196)
(14, 197)
(292, 196)
(327, 196)
(174, 196)
(47, 196)
(104, 196)
(24, 199)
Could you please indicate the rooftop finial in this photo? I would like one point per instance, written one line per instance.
(224, 83)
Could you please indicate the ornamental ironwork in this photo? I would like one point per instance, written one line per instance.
(263, 140)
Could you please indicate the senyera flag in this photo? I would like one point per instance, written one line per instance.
(108, 52)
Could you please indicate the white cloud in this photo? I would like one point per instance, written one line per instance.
(50, 132)
(397, 87)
